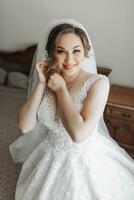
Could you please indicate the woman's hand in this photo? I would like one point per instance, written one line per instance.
(56, 82)
(42, 68)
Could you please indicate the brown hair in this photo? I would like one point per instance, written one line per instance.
(62, 29)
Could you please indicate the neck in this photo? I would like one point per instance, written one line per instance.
(71, 79)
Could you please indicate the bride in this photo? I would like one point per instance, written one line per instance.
(66, 150)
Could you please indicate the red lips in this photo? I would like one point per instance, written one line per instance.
(68, 66)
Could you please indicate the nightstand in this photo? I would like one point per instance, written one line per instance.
(119, 116)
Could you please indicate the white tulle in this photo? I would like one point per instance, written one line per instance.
(59, 169)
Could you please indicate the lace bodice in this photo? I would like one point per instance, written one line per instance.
(48, 112)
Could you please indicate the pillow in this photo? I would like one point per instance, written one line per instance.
(3, 75)
(17, 79)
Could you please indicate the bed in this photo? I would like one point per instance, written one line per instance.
(14, 74)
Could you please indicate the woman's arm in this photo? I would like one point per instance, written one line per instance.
(27, 117)
(80, 125)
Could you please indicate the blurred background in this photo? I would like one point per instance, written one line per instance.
(111, 27)
(109, 22)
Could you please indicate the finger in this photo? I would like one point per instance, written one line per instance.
(43, 62)
(40, 64)
(43, 68)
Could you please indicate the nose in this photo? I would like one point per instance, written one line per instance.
(69, 58)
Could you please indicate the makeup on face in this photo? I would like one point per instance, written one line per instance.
(69, 53)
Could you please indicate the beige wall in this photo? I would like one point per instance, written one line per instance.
(110, 23)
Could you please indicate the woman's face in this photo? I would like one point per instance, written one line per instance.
(69, 54)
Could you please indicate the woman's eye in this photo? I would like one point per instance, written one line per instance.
(76, 51)
(60, 51)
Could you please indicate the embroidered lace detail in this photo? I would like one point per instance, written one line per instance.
(49, 116)
(48, 113)
(47, 110)
(81, 93)
(98, 165)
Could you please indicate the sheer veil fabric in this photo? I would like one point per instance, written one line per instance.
(21, 148)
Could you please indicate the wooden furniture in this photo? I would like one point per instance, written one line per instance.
(119, 116)
(103, 70)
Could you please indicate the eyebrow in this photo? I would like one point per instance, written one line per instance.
(63, 47)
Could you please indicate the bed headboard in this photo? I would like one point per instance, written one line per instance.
(24, 57)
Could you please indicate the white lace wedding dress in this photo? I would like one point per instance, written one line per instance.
(59, 169)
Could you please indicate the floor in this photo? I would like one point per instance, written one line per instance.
(10, 102)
